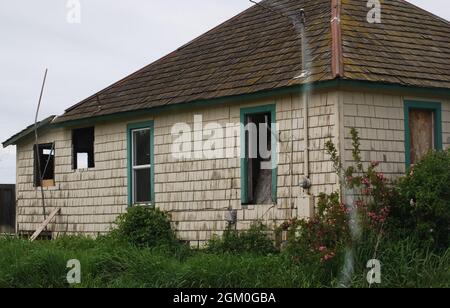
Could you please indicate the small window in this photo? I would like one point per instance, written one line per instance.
(141, 166)
(44, 165)
(83, 148)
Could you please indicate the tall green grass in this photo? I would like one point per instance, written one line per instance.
(107, 263)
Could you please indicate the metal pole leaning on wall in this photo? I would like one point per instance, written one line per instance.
(37, 144)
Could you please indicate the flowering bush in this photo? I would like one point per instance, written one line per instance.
(337, 223)
(372, 191)
(321, 237)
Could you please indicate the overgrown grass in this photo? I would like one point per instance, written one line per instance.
(107, 263)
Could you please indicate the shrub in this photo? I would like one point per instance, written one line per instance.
(424, 204)
(320, 239)
(147, 227)
(255, 241)
(338, 225)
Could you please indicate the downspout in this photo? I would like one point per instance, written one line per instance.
(337, 66)
(306, 183)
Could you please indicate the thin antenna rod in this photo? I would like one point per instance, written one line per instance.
(270, 9)
(37, 144)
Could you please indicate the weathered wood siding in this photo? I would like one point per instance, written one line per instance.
(379, 118)
(90, 199)
(197, 192)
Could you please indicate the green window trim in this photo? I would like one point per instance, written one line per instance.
(437, 108)
(130, 128)
(244, 164)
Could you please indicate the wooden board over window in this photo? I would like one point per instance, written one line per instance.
(421, 125)
(423, 129)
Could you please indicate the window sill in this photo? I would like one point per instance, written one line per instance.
(148, 205)
(48, 188)
(83, 170)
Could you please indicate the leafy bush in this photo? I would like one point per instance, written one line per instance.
(142, 226)
(255, 240)
(424, 204)
(320, 239)
(339, 226)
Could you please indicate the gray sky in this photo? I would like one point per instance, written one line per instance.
(114, 39)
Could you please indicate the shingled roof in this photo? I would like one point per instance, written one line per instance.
(261, 49)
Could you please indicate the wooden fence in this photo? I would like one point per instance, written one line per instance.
(7, 209)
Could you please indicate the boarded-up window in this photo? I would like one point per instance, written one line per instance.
(422, 129)
(423, 126)
(83, 148)
(44, 165)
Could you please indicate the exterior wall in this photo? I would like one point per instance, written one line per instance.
(379, 118)
(89, 199)
(197, 192)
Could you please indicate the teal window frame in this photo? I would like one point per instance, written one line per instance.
(130, 128)
(422, 105)
(244, 164)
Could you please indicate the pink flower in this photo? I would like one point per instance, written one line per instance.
(322, 248)
(328, 256)
(375, 163)
(381, 176)
(365, 181)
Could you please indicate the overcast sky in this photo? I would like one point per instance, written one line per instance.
(114, 38)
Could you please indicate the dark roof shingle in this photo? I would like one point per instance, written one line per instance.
(410, 46)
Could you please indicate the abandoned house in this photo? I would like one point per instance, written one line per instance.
(302, 71)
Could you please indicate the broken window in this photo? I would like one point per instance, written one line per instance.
(423, 130)
(259, 182)
(141, 166)
(44, 165)
(83, 148)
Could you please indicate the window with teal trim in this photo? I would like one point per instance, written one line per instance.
(423, 130)
(259, 142)
(140, 164)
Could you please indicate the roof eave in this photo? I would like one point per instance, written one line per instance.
(27, 131)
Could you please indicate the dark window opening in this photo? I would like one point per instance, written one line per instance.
(259, 158)
(83, 148)
(44, 165)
